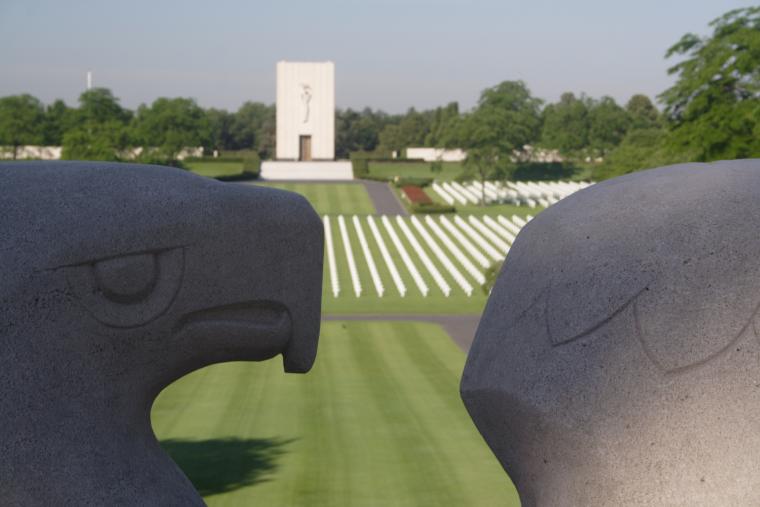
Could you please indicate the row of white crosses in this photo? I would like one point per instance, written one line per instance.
(484, 239)
(368, 255)
(400, 286)
(530, 193)
(350, 257)
(421, 285)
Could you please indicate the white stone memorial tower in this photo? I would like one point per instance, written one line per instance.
(305, 111)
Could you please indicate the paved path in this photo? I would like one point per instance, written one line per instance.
(460, 327)
(384, 198)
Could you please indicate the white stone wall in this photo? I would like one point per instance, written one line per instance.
(34, 152)
(433, 154)
(306, 106)
(54, 152)
(323, 170)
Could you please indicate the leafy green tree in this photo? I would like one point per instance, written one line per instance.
(443, 126)
(411, 130)
(59, 118)
(505, 119)
(486, 163)
(642, 112)
(608, 124)
(267, 135)
(391, 139)
(359, 130)
(99, 106)
(714, 106)
(566, 124)
(100, 130)
(102, 141)
(251, 128)
(21, 119)
(171, 125)
(219, 123)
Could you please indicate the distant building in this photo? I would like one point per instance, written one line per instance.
(305, 111)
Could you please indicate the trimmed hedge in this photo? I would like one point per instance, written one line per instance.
(433, 208)
(359, 164)
(375, 177)
(252, 164)
(403, 181)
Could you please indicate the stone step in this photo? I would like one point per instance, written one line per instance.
(312, 170)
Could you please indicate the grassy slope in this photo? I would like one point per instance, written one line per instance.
(415, 169)
(331, 198)
(378, 421)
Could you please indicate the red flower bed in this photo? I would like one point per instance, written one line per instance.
(416, 195)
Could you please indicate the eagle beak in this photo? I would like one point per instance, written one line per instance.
(301, 351)
(261, 304)
(255, 330)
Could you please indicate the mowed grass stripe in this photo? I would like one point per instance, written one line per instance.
(436, 377)
(407, 439)
(330, 198)
(417, 437)
(369, 425)
(322, 441)
(432, 363)
(173, 412)
(322, 195)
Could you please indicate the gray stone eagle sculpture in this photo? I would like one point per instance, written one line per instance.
(116, 280)
(618, 360)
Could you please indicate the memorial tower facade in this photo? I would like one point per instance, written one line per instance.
(305, 111)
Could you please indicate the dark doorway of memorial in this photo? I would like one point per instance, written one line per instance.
(304, 148)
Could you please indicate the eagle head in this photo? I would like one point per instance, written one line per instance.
(118, 279)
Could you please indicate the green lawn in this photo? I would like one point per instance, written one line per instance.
(377, 422)
(415, 170)
(331, 198)
(214, 169)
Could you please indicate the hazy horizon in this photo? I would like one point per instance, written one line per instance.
(388, 55)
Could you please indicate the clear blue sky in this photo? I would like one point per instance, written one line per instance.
(388, 54)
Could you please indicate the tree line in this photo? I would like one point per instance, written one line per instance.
(100, 127)
(711, 112)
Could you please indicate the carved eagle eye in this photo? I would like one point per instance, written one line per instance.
(130, 290)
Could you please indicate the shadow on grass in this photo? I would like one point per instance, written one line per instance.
(226, 464)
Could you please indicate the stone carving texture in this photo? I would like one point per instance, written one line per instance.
(118, 279)
(617, 361)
